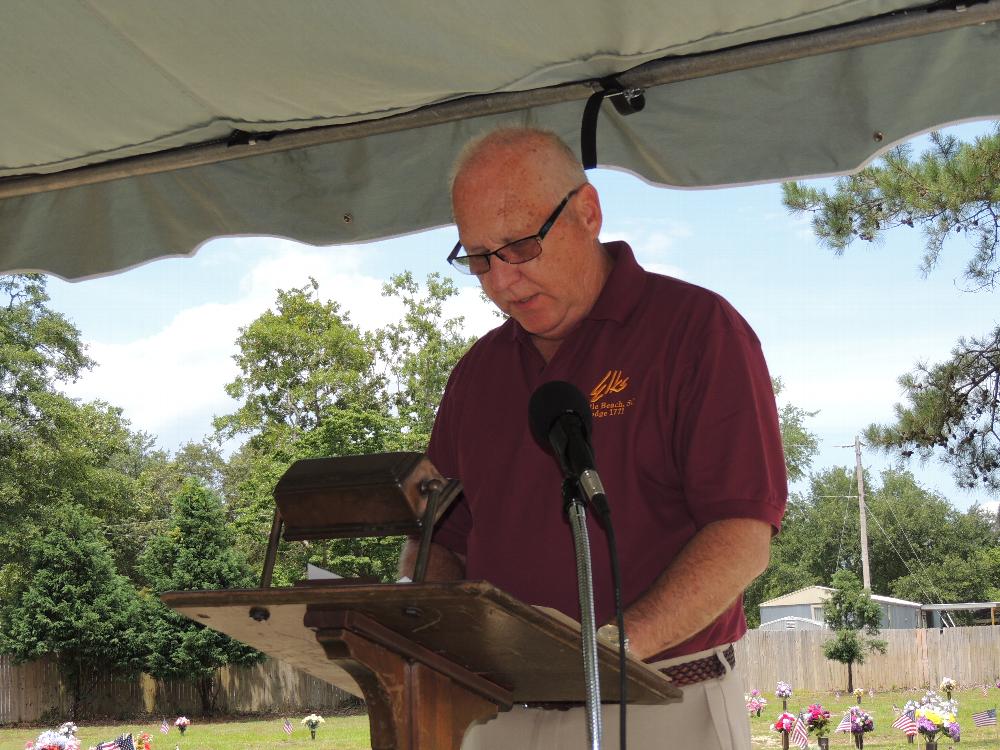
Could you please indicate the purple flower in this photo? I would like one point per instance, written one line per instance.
(926, 725)
(954, 730)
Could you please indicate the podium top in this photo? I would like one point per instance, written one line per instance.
(380, 494)
(529, 651)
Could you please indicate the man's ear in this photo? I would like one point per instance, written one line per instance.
(588, 208)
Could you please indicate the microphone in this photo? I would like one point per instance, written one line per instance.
(560, 423)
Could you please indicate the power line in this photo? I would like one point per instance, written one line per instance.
(933, 592)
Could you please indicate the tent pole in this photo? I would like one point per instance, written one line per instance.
(892, 27)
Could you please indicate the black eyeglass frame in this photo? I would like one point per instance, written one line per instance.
(538, 237)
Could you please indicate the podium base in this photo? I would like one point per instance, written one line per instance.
(416, 699)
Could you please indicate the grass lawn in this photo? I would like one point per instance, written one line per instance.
(351, 732)
(338, 733)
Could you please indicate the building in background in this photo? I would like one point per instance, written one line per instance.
(803, 610)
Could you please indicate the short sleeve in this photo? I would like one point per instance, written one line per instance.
(729, 440)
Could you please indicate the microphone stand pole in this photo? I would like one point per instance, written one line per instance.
(574, 508)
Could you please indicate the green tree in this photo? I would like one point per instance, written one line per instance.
(38, 348)
(53, 448)
(800, 445)
(420, 350)
(923, 548)
(162, 475)
(311, 385)
(951, 190)
(914, 538)
(855, 619)
(953, 411)
(298, 365)
(810, 544)
(195, 553)
(74, 606)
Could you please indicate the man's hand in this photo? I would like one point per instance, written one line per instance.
(711, 571)
(442, 563)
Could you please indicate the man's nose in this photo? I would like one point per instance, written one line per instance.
(502, 274)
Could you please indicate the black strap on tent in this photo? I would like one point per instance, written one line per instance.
(626, 101)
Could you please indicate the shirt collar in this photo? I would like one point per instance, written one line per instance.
(623, 289)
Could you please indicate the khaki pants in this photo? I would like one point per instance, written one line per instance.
(712, 716)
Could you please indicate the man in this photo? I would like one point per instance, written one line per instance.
(685, 434)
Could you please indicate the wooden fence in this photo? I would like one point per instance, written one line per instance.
(914, 658)
(33, 692)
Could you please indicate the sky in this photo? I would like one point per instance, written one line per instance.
(838, 331)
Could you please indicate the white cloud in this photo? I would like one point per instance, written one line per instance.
(653, 242)
(649, 237)
(170, 383)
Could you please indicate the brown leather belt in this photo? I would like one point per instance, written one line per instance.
(708, 668)
(688, 673)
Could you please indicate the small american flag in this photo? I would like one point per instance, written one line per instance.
(895, 710)
(287, 726)
(837, 695)
(987, 718)
(799, 735)
(164, 727)
(871, 692)
(985, 691)
(125, 742)
(906, 723)
(845, 723)
(109, 745)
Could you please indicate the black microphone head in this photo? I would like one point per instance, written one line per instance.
(552, 400)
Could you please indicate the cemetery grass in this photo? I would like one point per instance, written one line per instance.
(351, 732)
(338, 733)
(880, 707)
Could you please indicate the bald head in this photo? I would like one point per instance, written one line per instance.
(539, 152)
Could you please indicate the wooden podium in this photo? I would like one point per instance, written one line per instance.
(430, 659)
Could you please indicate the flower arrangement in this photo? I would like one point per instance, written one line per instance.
(756, 705)
(783, 690)
(755, 702)
(52, 740)
(861, 721)
(859, 692)
(933, 719)
(145, 742)
(68, 729)
(948, 685)
(817, 720)
(182, 723)
(941, 705)
(313, 721)
(784, 723)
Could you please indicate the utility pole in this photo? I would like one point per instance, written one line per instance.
(865, 572)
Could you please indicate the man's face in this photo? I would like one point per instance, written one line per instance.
(551, 294)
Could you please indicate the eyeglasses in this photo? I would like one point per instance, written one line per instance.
(518, 251)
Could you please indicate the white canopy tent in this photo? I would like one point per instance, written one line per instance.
(134, 130)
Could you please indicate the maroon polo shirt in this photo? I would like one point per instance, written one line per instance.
(685, 433)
